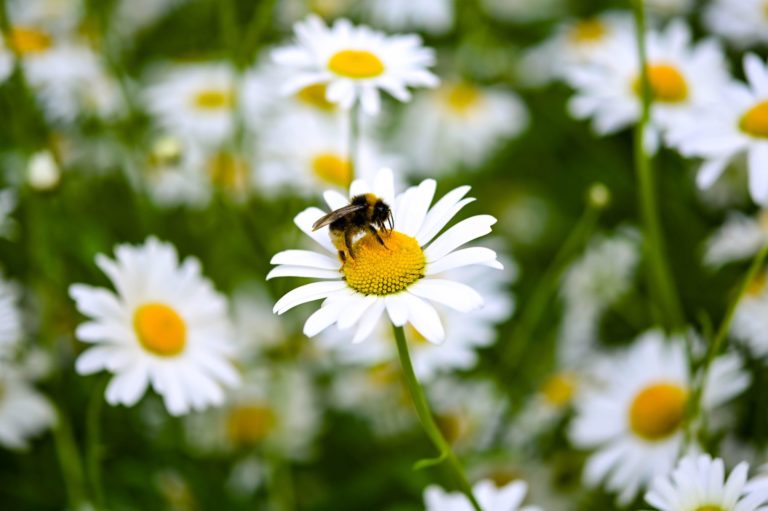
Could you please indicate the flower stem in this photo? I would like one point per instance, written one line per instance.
(426, 419)
(354, 140)
(660, 278)
(93, 445)
(69, 461)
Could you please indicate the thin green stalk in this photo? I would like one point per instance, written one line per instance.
(280, 484)
(354, 139)
(660, 277)
(93, 445)
(426, 419)
(69, 461)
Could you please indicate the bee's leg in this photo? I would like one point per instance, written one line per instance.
(342, 256)
(375, 232)
(348, 242)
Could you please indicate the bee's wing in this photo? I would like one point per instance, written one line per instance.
(336, 214)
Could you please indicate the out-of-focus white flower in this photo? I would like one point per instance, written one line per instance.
(701, 483)
(195, 102)
(355, 62)
(174, 174)
(735, 125)
(291, 11)
(10, 319)
(274, 409)
(59, 17)
(257, 329)
(574, 43)
(684, 78)
(6, 61)
(433, 16)
(24, 412)
(669, 7)
(43, 172)
(403, 275)
(742, 22)
(7, 205)
(522, 11)
(634, 414)
(740, 237)
(131, 16)
(750, 321)
(458, 124)
(166, 326)
(490, 497)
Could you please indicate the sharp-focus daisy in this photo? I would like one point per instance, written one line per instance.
(356, 62)
(490, 497)
(750, 321)
(459, 124)
(24, 412)
(401, 276)
(683, 78)
(433, 16)
(634, 415)
(166, 326)
(195, 102)
(700, 483)
(737, 124)
(740, 237)
(10, 318)
(742, 22)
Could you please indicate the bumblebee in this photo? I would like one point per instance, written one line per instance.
(365, 213)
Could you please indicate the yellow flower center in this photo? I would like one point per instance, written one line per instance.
(228, 172)
(332, 169)
(588, 31)
(462, 96)
(214, 99)
(756, 286)
(314, 96)
(387, 269)
(249, 425)
(358, 64)
(658, 411)
(559, 389)
(755, 121)
(667, 83)
(28, 40)
(160, 329)
(452, 426)
(709, 508)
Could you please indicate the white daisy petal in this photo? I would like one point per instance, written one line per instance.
(461, 233)
(307, 293)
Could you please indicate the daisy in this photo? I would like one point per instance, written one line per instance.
(740, 237)
(634, 415)
(433, 16)
(736, 125)
(173, 174)
(459, 124)
(700, 483)
(401, 276)
(750, 320)
(490, 497)
(669, 7)
(742, 22)
(194, 102)
(43, 173)
(166, 325)
(355, 62)
(10, 319)
(24, 412)
(683, 77)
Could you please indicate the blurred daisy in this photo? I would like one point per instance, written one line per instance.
(24, 412)
(683, 78)
(433, 16)
(669, 7)
(355, 62)
(43, 173)
(750, 321)
(7, 205)
(173, 174)
(523, 11)
(401, 276)
(700, 483)
(740, 237)
(166, 326)
(132, 16)
(737, 124)
(459, 124)
(10, 318)
(490, 497)
(56, 16)
(257, 329)
(6, 61)
(634, 417)
(194, 102)
(742, 22)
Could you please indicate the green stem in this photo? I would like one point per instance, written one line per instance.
(280, 484)
(69, 461)
(660, 277)
(427, 421)
(93, 445)
(354, 139)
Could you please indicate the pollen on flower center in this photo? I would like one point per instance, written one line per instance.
(461, 97)
(332, 169)
(658, 411)
(214, 99)
(587, 31)
(558, 390)
(356, 64)
(160, 329)
(314, 95)
(709, 508)
(755, 121)
(667, 83)
(248, 425)
(28, 40)
(387, 269)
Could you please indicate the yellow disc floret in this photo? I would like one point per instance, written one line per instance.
(249, 425)
(667, 83)
(332, 169)
(28, 40)
(160, 329)
(588, 31)
(214, 99)
(227, 171)
(387, 269)
(658, 411)
(461, 97)
(358, 64)
(559, 389)
(709, 508)
(755, 121)
(314, 95)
